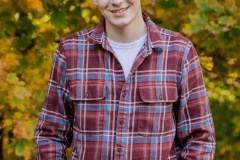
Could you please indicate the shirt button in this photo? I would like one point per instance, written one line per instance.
(124, 94)
(86, 94)
(121, 121)
(161, 97)
(119, 149)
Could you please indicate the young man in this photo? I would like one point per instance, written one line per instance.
(127, 90)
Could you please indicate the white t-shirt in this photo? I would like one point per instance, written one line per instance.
(127, 52)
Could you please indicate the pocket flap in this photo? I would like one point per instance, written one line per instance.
(87, 91)
(162, 93)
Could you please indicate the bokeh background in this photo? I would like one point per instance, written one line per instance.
(31, 29)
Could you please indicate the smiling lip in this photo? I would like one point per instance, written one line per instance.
(119, 10)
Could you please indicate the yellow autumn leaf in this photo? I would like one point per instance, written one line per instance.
(21, 92)
(12, 60)
(233, 75)
(21, 130)
(33, 5)
(5, 45)
(207, 62)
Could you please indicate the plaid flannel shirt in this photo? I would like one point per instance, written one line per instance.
(160, 112)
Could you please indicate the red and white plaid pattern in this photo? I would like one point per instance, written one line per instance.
(160, 112)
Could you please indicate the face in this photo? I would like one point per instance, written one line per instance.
(120, 13)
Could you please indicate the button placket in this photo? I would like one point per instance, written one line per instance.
(122, 122)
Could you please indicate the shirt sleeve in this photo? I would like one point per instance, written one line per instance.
(54, 129)
(195, 128)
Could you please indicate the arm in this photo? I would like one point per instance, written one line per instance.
(54, 129)
(195, 129)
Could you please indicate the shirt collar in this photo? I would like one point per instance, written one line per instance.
(154, 36)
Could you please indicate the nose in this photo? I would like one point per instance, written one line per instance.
(116, 2)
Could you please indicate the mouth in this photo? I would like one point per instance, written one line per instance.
(119, 10)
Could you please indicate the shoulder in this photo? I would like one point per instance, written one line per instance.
(176, 45)
(174, 37)
(77, 37)
(164, 37)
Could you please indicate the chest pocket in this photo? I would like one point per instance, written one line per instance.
(155, 114)
(88, 106)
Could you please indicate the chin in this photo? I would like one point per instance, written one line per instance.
(121, 23)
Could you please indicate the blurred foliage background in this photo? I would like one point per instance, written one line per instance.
(31, 29)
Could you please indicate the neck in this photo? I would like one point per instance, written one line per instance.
(128, 33)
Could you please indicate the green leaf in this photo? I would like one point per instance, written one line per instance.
(58, 19)
(226, 20)
(19, 147)
(25, 24)
(167, 4)
(208, 6)
(31, 127)
(22, 43)
(7, 123)
(12, 78)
